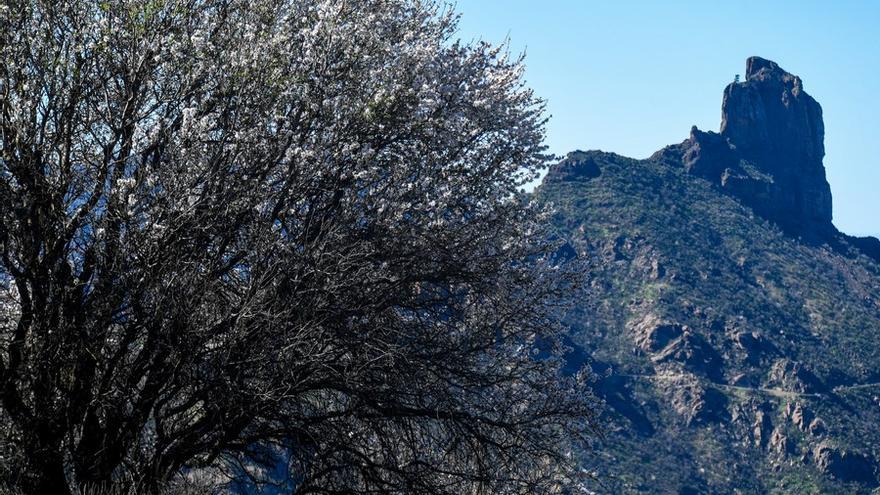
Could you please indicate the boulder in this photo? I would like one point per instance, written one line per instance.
(780, 444)
(698, 405)
(762, 428)
(755, 345)
(653, 334)
(844, 465)
(695, 353)
(793, 376)
(799, 415)
(817, 427)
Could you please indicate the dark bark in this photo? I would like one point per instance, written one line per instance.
(46, 473)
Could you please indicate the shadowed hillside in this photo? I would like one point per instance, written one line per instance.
(736, 330)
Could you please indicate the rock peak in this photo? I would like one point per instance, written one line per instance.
(754, 65)
(770, 112)
(774, 128)
(768, 154)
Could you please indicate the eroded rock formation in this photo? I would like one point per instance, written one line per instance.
(770, 149)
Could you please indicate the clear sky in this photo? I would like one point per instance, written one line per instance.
(633, 76)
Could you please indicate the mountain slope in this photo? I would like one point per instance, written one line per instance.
(736, 331)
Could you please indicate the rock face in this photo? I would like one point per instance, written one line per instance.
(696, 404)
(868, 245)
(844, 465)
(776, 125)
(755, 346)
(577, 166)
(671, 342)
(769, 151)
(793, 376)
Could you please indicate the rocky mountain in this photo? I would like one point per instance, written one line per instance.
(734, 330)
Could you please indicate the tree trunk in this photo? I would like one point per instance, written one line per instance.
(47, 475)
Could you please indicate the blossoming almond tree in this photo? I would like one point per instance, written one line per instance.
(232, 227)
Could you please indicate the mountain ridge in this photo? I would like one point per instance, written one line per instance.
(737, 352)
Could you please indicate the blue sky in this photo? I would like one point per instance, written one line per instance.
(633, 76)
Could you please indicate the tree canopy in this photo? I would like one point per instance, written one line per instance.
(237, 230)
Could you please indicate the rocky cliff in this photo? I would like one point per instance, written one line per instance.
(769, 151)
(734, 331)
